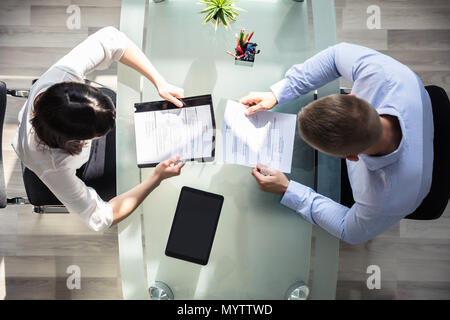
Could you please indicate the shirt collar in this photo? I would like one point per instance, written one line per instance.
(378, 162)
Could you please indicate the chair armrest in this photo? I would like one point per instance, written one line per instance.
(3, 201)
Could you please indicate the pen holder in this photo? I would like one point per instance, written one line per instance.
(248, 57)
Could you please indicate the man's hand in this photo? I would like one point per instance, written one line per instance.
(274, 182)
(171, 93)
(165, 169)
(257, 101)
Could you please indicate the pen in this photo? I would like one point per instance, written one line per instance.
(251, 35)
(177, 162)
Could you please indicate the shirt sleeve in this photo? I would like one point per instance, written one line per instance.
(96, 52)
(79, 198)
(344, 59)
(353, 225)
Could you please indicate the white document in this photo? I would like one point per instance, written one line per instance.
(265, 137)
(162, 134)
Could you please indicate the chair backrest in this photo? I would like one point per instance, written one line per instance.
(437, 199)
(2, 118)
(24, 93)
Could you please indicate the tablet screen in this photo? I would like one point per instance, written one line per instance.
(194, 225)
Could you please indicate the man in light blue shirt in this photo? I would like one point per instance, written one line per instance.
(389, 153)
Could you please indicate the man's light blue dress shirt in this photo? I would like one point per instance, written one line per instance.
(385, 188)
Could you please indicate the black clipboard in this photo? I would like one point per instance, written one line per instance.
(188, 102)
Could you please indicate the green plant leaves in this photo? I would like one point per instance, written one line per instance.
(220, 10)
(211, 15)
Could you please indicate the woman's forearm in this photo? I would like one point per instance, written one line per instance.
(124, 204)
(136, 59)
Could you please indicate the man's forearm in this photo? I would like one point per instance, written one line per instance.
(310, 75)
(315, 208)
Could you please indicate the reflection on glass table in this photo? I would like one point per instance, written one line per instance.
(261, 248)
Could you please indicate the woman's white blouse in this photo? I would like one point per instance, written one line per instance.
(55, 167)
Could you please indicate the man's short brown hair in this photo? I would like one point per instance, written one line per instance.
(340, 124)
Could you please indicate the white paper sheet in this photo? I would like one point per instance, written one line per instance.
(265, 137)
(163, 134)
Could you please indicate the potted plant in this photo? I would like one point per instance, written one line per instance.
(220, 12)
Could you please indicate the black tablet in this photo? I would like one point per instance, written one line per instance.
(194, 225)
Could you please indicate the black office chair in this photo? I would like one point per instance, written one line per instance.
(100, 175)
(434, 204)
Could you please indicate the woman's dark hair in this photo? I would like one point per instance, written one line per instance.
(68, 113)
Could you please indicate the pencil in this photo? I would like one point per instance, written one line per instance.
(241, 37)
(233, 55)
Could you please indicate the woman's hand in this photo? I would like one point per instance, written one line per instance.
(166, 169)
(136, 59)
(124, 204)
(171, 93)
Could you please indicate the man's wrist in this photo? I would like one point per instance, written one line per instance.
(274, 97)
(285, 187)
(280, 90)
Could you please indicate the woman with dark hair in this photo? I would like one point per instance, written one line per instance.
(63, 115)
(69, 113)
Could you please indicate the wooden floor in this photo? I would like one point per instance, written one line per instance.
(414, 256)
(36, 250)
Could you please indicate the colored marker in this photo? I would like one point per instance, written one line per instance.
(240, 49)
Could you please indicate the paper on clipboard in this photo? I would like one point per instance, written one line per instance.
(187, 131)
(265, 137)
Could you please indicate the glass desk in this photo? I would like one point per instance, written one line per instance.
(260, 248)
